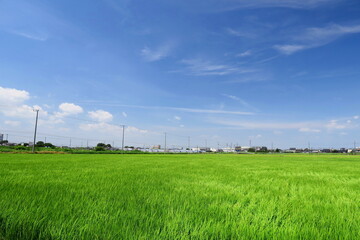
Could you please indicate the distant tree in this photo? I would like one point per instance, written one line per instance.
(4, 142)
(108, 145)
(99, 148)
(277, 150)
(26, 144)
(251, 150)
(40, 144)
(101, 145)
(49, 145)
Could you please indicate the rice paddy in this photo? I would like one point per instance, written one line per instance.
(180, 196)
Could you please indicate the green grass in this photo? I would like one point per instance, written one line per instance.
(179, 196)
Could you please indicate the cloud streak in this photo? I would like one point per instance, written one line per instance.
(199, 67)
(152, 55)
(316, 37)
(180, 109)
(304, 127)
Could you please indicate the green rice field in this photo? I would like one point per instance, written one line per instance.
(179, 196)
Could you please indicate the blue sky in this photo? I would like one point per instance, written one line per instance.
(272, 71)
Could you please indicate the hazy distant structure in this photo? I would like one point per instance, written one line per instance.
(1, 137)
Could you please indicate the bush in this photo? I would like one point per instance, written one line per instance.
(98, 149)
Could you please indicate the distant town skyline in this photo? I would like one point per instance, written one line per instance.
(281, 72)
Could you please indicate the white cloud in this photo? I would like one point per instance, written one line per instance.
(23, 111)
(12, 123)
(316, 37)
(11, 96)
(70, 109)
(177, 118)
(124, 114)
(101, 116)
(66, 109)
(245, 54)
(199, 67)
(135, 129)
(152, 55)
(334, 125)
(356, 117)
(289, 49)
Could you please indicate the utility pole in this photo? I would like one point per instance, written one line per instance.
(189, 143)
(87, 143)
(354, 144)
(70, 142)
(123, 138)
(45, 139)
(36, 122)
(165, 144)
(7, 135)
(250, 143)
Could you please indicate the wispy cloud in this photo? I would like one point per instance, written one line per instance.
(231, 5)
(245, 54)
(240, 33)
(316, 37)
(152, 55)
(284, 3)
(180, 109)
(241, 101)
(32, 36)
(305, 127)
(199, 67)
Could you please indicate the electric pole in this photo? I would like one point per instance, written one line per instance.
(123, 137)
(165, 144)
(36, 122)
(189, 142)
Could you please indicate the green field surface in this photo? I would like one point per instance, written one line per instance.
(184, 196)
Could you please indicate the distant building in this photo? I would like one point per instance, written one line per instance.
(1, 137)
